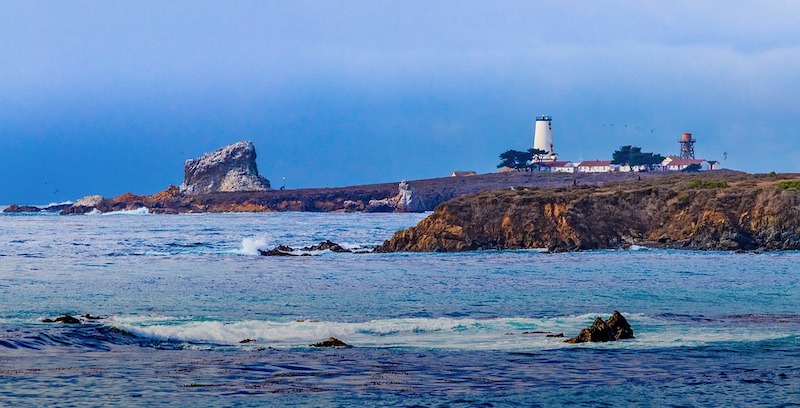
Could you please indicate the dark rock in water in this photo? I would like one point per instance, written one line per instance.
(245, 341)
(327, 245)
(615, 328)
(13, 208)
(280, 250)
(228, 169)
(123, 332)
(620, 326)
(87, 316)
(597, 332)
(66, 319)
(284, 250)
(331, 342)
(555, 335)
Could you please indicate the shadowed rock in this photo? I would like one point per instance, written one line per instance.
(284, 250)
(615, 328)
(66, 319)
(13, 208)
(331, 342)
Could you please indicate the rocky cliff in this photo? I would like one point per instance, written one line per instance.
(231, 168)
(733, 212)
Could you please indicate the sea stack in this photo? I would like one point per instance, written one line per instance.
(228, 169)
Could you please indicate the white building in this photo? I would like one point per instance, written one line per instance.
(626, 168)
(557, 167)
(673, 163)
(594, 166)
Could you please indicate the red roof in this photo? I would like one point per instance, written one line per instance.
(685, 162)
(595, 163)
(554, 164)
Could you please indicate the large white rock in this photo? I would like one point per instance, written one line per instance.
(231, 168)
(89, 201)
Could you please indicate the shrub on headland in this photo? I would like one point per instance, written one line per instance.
(698, 183)
(787, 184)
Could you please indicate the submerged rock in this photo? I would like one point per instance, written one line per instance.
(615, 328)
(229, 169)
(332, 342)
(66, 319)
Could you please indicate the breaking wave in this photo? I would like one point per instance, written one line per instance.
(506, 334)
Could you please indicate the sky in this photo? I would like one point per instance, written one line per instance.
(101, 97)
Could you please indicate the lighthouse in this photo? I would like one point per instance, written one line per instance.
(543, 139)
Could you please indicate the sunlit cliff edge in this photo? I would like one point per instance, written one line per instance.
(709, 211)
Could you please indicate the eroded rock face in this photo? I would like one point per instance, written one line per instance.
(229, 169)
(668, 214)
(407, 201)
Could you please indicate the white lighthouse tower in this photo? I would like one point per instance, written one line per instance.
(543, 139)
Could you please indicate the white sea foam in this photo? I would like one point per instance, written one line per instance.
(138, 211)
(251, 245)
(55, 204)
(510, 334)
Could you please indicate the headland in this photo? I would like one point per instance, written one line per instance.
(716, 210)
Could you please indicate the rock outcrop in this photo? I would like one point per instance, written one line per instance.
(89, 201)
(66, 319)
(406, 200)
(690, 212)
(332, 342)
(13, 208)
(285, 250)
(231, 168)
(615, 328)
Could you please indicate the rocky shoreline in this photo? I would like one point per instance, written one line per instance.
(411, 196)
(706, 211)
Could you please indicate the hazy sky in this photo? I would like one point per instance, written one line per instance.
(109, 97)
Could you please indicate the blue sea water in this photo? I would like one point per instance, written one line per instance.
(178, 294)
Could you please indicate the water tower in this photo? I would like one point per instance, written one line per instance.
(687, 146)
(543, 138)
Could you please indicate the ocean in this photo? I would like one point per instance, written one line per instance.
(178, 295)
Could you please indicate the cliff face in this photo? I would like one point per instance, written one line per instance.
(677, 212)
(231, 168)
